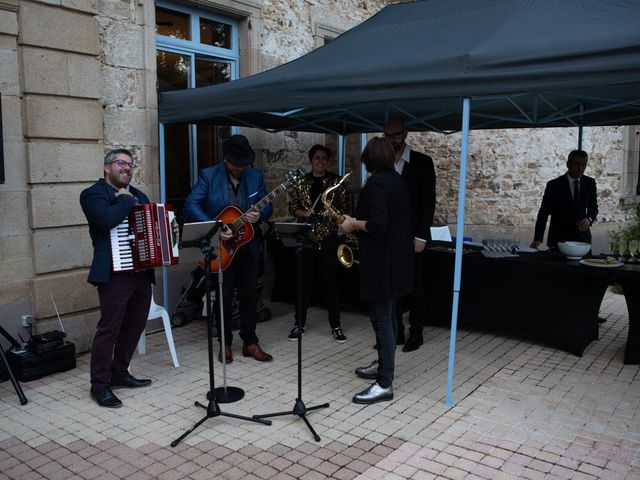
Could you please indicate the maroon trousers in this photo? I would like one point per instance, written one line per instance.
(124, 308)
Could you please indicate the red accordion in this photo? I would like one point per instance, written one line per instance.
(145, 239)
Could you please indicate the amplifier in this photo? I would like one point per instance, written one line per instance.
(28, 364)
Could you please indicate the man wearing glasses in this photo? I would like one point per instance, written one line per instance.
(417, 169)
(124, 296)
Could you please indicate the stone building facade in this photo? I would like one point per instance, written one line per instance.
(79, 76)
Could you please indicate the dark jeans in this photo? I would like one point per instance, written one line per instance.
(414, 302)
(325, 263)
(386, 329)
(242, 273)
(124, 308)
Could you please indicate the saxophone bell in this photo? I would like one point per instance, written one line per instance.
(346, 255)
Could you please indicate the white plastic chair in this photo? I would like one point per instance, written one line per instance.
(157, 311)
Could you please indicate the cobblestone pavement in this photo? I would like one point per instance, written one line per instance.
(523, 410)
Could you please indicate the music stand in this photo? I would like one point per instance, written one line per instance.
(7, 367)
(300, 236)
(202, 235)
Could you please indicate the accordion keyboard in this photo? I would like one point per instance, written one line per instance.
(121, 254)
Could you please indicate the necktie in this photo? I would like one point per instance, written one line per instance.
(576, 191)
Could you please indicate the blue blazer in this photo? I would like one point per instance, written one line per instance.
(211, 195)
(104, 211)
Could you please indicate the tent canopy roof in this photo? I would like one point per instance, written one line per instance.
(523, 63)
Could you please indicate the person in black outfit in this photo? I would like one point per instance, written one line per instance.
(125, 297)
(305, 205)
(417, 169)
(385, 240)
(571, 201)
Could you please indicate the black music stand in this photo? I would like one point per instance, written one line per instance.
(200, 235)
(300, 236)
(7, 367)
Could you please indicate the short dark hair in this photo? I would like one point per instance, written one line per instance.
(108, 159)
(378, 155)
(577, 153)
(315, 148)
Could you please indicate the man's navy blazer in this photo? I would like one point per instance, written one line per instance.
(104, 211)
(565, 213)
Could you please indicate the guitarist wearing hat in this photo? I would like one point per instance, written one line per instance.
(234, 182)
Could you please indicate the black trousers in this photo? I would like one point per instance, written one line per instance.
(242, 273)
(124, 308)
(321, 264)
(414, 302)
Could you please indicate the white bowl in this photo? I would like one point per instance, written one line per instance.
(574, 250)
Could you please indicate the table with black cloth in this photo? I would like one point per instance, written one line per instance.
(542, 295)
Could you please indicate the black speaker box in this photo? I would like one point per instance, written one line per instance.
(30, 365)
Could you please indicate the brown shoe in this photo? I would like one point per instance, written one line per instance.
(228, 355)
(256, 352)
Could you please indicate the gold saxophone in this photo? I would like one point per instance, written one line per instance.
(346, 251)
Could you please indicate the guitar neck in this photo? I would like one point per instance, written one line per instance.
(241, 220)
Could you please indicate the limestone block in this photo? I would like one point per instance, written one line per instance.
(56, 205)
(57, 28)
(125, 126)
(57, 249)
(61, 73)
(70, 290)
(54, 117)
(11, 119)
(9, 74)
(14, 219)
(88, 6)
(124, 45)
(123, 87)
(64, 162)
(15, 246)
(14, 290)
(8, 23)
(15, 167)
(115, 10)
(16, 269)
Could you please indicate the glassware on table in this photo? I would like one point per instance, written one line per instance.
(613, 249)
(633, 250)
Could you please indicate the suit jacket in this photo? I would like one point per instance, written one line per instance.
(421, 176)
(104, 211)
(210, 196)
(386, 249)
(558, 203)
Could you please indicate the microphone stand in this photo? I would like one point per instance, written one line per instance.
(212, 408)
(300, 232)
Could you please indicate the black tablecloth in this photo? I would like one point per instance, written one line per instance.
(540, 294)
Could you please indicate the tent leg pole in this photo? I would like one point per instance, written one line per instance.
(466, 109)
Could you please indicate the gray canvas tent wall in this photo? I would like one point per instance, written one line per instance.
(521, 63)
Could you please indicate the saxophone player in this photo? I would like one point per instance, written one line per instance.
(386, 252)
(305, 205)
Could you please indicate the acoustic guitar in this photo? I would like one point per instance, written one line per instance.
(243, 231)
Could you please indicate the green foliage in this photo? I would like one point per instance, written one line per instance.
(631, 231)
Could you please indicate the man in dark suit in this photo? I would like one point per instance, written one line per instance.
(572, 203)
(124, 296)
(417, 169)
(386, 258)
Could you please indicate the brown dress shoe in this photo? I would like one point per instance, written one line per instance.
(228, 355)
(256, 352)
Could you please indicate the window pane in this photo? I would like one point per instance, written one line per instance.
(176, 160)
(216, 34)
(210, 139)
(172, 24)
(173, 71)
(211, 73)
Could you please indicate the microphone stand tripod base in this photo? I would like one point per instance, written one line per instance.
(227, 394)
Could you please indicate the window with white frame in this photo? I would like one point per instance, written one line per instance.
(194, 48)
